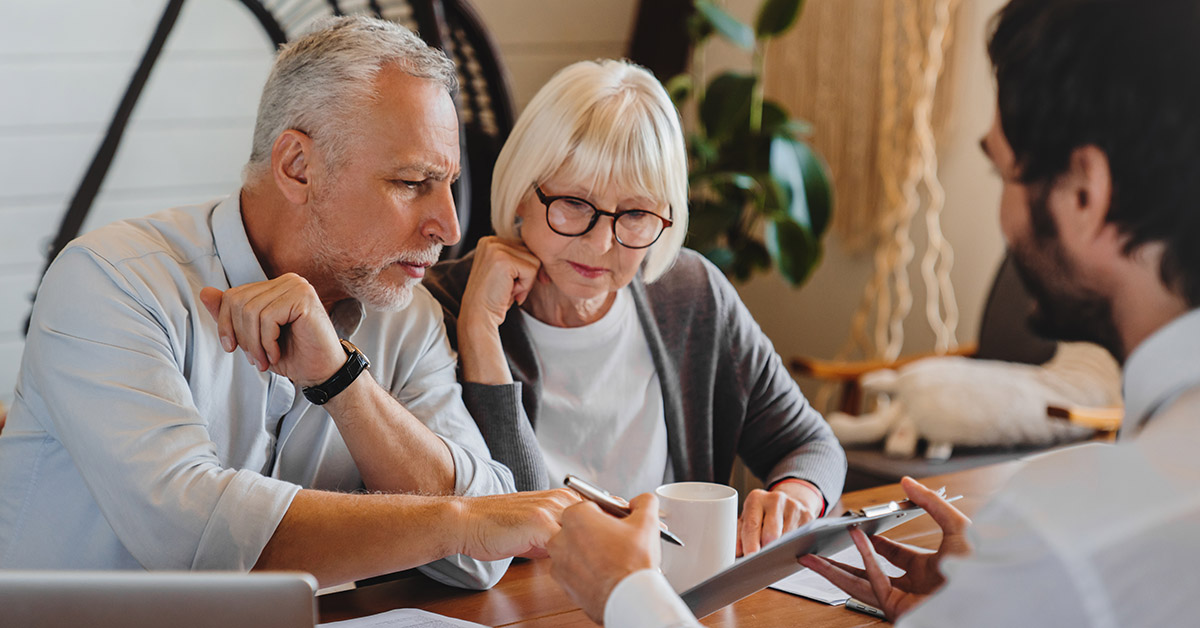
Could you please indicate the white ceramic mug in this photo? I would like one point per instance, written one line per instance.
(704, 516)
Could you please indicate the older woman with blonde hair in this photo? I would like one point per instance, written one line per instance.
(590, 342)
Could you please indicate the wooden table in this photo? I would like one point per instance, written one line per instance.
(528, 597)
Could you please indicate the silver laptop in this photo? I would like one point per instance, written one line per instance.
(129, 599)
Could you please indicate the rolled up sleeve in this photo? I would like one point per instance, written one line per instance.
(427, 386)
(109, 381)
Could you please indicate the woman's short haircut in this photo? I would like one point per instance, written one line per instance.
(599, 123)
(321, 81)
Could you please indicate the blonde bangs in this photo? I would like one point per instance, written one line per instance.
(604, 152)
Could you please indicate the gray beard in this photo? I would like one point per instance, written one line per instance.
(360, 281)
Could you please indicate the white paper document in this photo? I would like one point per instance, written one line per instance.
(404, 618)
(807, 583)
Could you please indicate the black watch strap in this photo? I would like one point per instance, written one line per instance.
(355, 364)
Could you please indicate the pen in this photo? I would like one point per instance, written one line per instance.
(864, 608)
(613, 505)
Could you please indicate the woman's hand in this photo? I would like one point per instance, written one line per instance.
(923, 576)
(768, 515)
(503, 273)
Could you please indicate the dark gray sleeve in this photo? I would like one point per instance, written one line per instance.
(497, 410)
(507, 432)
(783, 435)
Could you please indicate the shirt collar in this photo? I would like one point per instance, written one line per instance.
(347, 316)
(233, 245)
(1162, 366)
(242, 265)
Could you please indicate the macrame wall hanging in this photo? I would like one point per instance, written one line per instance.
(871, 76)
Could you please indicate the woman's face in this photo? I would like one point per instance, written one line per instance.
(593, 264)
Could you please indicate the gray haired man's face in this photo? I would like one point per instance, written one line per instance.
(381, 218)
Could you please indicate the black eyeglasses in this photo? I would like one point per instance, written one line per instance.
(572, 216)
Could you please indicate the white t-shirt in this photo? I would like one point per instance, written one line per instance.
(602, 408)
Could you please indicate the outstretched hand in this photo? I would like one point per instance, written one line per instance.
(513, 524)
(922, 568)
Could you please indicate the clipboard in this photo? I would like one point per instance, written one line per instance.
(827, 536)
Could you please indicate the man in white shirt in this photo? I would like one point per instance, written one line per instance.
(1097, 139)
(195, 392)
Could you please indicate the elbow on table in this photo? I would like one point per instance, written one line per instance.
(466, 573)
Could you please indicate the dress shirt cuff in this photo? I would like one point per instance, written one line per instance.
(644, 599)
(473, 477)
(246, 516)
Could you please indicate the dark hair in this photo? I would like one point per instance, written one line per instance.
(1124, 76)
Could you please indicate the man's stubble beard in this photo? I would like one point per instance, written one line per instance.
(362, 281)
(1066, 310)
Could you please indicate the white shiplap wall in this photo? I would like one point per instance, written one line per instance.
(538, 37)
(64, 66)
(63, 69)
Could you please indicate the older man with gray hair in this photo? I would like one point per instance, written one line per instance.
(196, 392)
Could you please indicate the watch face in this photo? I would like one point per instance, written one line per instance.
(351, 350)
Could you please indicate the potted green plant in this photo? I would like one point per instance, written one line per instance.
(761, 195)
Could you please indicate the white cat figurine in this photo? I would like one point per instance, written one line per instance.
(953, 401)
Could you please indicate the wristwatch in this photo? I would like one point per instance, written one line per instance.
(355, 364)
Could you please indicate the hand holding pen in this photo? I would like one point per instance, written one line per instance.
(612, 504)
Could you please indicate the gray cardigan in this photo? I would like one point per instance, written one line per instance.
(725, 390)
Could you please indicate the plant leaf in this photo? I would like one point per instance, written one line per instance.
(750, 255)
(804, 182)
(679, 88)
(793, 248)
(776, 16)
(796, 128)
(709, 220)
(774, 118)
(699, 29)
(721, 257)
(739, 180)
(726, 25)
(726, 104)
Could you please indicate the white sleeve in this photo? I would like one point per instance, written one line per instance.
(428, 387)
(1015, 577)
(425, 382)
(644, 599)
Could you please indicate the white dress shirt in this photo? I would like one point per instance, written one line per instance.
(1095, 536)
(602, 404)
(136, 441)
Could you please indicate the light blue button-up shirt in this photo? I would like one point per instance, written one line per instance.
(135, 441)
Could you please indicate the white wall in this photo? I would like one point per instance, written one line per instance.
(538, 37)
(63, 68)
